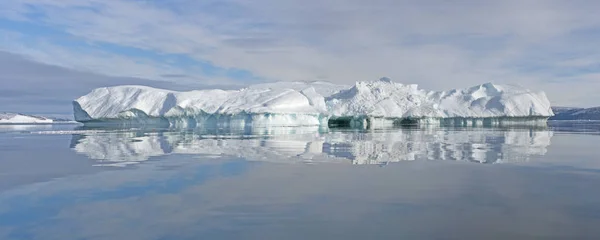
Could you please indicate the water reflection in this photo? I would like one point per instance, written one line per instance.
(50, 192)
(18, 128)
(318, 145)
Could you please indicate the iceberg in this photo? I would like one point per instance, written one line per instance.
(17, 118)
(365, 104)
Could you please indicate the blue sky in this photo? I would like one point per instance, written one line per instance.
(56, 50)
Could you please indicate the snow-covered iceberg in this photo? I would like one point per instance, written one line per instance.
(17, 118)
(365, 104)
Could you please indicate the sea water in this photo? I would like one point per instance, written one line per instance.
(71, 182)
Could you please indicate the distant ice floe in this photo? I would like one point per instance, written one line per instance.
(21, 121)
(365, 104)
(17, 118)
(310, 146)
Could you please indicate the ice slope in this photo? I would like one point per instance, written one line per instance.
(301, 103)
(16, 118)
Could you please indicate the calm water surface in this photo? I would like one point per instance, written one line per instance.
(68, 182)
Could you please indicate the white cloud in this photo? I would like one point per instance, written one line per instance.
(438, 44)
(103, 62)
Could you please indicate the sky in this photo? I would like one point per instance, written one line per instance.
(53, 51)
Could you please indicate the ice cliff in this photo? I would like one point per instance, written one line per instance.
(317, 103)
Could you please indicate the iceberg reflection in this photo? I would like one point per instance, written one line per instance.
(313, 144)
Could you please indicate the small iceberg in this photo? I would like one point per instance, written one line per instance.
(17, 118)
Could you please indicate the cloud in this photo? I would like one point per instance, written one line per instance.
(87, 58)
(32, 87)
(438, 44)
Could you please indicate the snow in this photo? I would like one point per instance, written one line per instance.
(308, 103)
(16, 118)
